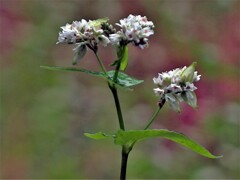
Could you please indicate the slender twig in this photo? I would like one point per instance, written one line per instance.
(100, 63)
(153, 117)
(160, 105)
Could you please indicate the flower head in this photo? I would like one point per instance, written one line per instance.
(84, 34)
(135, 29)
(177, 85)
(82, 31)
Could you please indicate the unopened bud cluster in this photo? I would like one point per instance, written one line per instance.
(177, 85)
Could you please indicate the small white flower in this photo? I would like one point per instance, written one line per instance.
(196, 77)
(115, 38)
(81, 26)
(158, 80)
(174, 88)
(68, 34)
(158, 91)
(189, 87)
(103, 40)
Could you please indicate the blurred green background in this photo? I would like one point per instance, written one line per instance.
(45, 113)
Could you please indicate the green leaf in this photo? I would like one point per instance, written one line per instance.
(188, 74)
(98, 135)
(56, 68)
(124, 80)
(132, 136)
(124, 59)
(98, 22)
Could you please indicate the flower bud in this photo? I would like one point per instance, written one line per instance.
(188, 74)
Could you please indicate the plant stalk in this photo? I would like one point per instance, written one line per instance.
(100, 63)
(153, 117)
(124, 164)
(160, 105)
(118, 107)
(113, 89)
(116, 72)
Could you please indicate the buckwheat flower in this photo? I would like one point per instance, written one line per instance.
(68, 35)
(177, 85)
(85, 34)
(134, 29)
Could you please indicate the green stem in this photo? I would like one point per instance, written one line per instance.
(100, 63)
(116, 72)
(118, 64)
(153, 117)
(117, 104)
(113, 89)
(124, 164)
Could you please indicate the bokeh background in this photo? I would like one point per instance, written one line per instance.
(45, 113)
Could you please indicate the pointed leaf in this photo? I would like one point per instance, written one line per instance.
(98, 135)
(56, 68)
(127, 137)
(124, 80)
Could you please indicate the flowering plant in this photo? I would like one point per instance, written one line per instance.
(173, 86)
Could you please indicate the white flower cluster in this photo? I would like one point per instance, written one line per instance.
(89, 34)
(82, 32)
(135, 29)
(177, 85)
